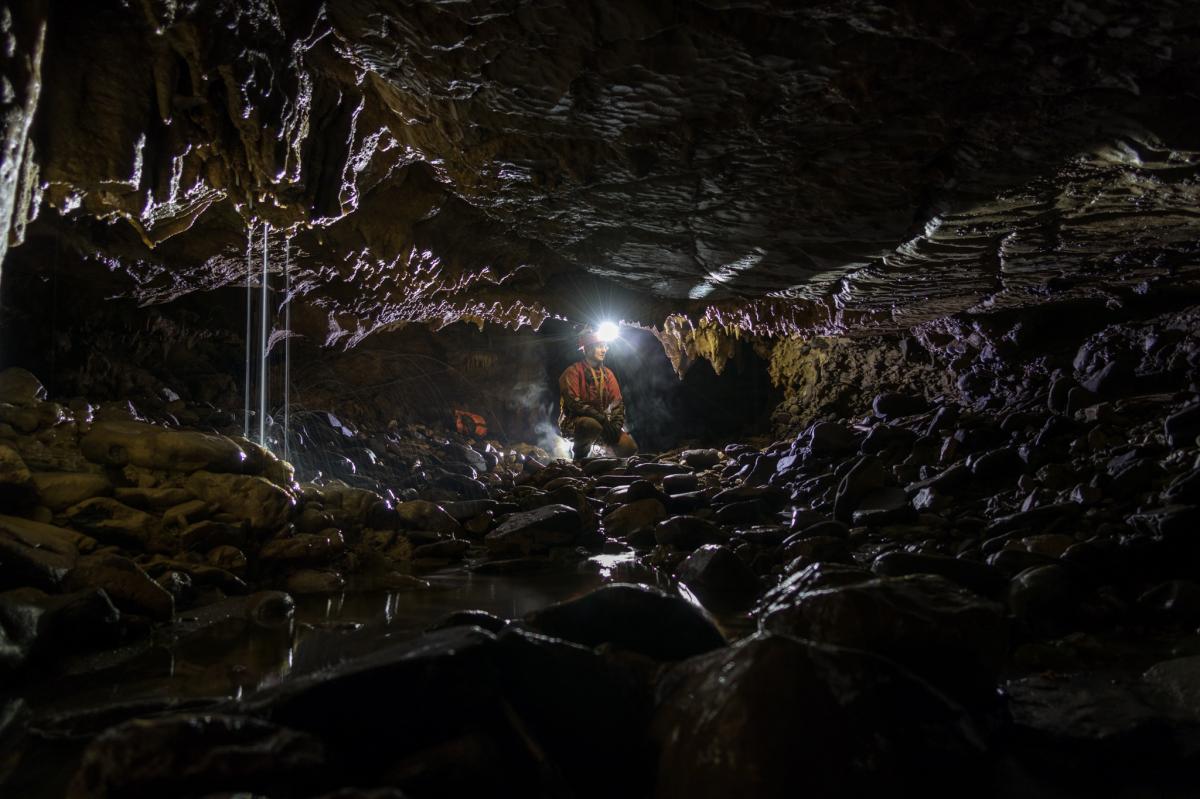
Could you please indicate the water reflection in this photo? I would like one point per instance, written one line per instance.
(220, 652)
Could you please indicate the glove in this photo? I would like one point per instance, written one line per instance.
(612, 430)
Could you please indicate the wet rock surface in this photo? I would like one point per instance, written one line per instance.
(1009, 575)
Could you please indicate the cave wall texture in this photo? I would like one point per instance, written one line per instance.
(716, 173)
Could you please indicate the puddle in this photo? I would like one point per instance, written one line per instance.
(209, 655)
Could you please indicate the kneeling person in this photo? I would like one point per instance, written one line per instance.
(590, 402)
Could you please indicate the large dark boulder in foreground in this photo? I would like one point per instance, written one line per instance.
(634, 617)
(950, 636)
(774, 716)
(196, 755)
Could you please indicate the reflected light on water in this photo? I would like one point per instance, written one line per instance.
(608, 563)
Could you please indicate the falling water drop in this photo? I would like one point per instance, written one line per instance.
(263, 352)
(287, 346)
(249, 329)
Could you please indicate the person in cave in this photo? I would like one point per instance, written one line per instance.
(590, 404)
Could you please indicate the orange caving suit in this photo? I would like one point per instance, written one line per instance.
(587, 392)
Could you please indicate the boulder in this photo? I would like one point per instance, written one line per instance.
(315, 581)
(303, 548)
(776, 717)
(265, 506)
(1182, 427)
(420, 514)
(633, 617)
(885, 505)
(60, 490)
(951, 636)
(1088, 720)
(972, 575)
(20, 387)
(688, 532)
(17, 488)
(153, 447)
(113, 522)
(36, 554)
(535, 530)
(700, 458)
(129, 588)
(892, 405)
(867, 474)
(719, 578)
(635, 517)
(830, 439)
(196, 755)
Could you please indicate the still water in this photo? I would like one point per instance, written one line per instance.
(217, 652)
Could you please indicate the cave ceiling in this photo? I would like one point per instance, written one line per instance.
(774, 166)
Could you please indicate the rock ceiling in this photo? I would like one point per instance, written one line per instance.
(772, 165)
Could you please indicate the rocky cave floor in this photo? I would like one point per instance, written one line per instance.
(996, 597)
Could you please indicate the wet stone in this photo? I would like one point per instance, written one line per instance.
(154, 499)
(763, 535)
(633, 617)
(687, 502)
(112, 522)
(680, 483)
(315, 581)
(949, 635)
(270, 608)
(227, 557)
(639, 516)
(688, 532)
(153, 447)
(263, 505)
(718, 577)
(654, 469)
(857, 738)
(1090, 715)
(815, 576)
(1047, 600)
(637, 490)
(17, 487)
(700, 458)
(318, 548)
(470, 618)
(1182, 427)
(41, 625)
(867, 474)
(20, 387)
(885, 505)
(528, 531)
(421, 514)
(1177, 682)
(827, 528)
(1173, 600)
(195, 755)
(979, 577)
(598, 466)
(450, 549)
(893, 405)
(127, 585)
(1015, 561)
(206, 535)
(998, 464)
(830, 438)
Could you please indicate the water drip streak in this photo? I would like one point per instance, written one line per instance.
(262, 344)
(249, 330)
(287, 344)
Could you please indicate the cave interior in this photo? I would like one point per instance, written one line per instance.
(908, 311)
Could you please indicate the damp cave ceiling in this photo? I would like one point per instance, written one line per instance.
(774, 165)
